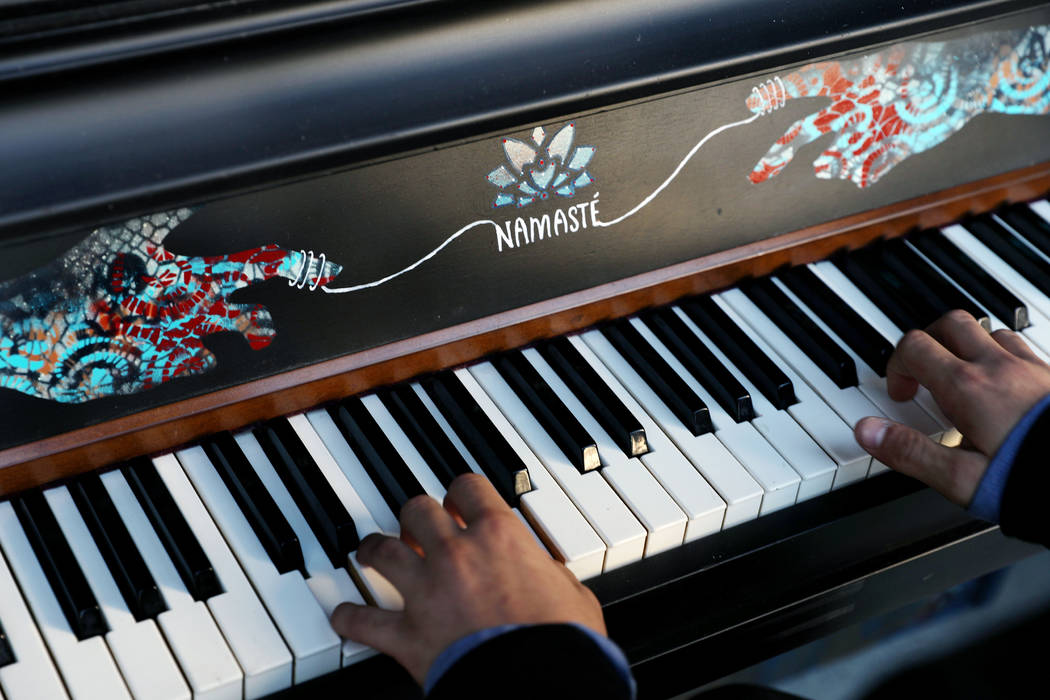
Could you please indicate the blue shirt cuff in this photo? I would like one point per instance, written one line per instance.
(988, 499)
(461, 647)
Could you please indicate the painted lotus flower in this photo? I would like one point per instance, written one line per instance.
(534, 171)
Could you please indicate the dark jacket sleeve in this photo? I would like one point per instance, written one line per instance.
(1024, 513)
(541, 661)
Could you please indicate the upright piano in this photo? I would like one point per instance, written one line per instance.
(270, 268)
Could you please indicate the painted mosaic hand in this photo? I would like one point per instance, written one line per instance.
(118, 313)
(905, 100)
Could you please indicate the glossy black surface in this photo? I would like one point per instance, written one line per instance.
(426, 434)
(988, 291)
(7, 656)
(861, 337)
(174, 532)
(1029, 225)
(497, 459)
(859, 271)
(701, 363)
(563, 427)
(596, 396)
(392, 477)
(122, 557)
(684, 403)
(793, 322)
(324, 512)
(748, 358)
(60, 566)
(255, 502)
(924, 279)
(1025, 261)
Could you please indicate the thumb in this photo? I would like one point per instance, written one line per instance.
(372, 626)
(953, 471)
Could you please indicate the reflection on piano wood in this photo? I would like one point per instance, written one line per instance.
(721, 424)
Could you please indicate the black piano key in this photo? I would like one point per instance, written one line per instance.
(122, 557)
(60, 566)
(174, 532)
(387, 469)
(741, 349)
(490, 449)
(1015, 252)
(610, 412)
(654, 370)
(425, 433)
(7, 655)
(903, 314)
(861, 337)
(949, 295)
(796, 325)
(269, 524)
(1029, 225)
(328, 518)
(987, 290)
(701, 363)
(563, 427)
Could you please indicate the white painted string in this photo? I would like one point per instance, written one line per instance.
(670, 178)
(417, 263)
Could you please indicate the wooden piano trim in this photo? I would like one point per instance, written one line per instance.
(163, 428)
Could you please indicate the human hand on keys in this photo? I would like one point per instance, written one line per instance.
(463, 568)
(985, 383)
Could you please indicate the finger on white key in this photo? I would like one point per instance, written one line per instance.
(196, 643)
(376, 589)
(558, 522)
(140, 652)
(86, 667)
(623, 535)
(253, 639)
(32, 674)
(329, 585)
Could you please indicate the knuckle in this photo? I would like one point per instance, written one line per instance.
(417, 504)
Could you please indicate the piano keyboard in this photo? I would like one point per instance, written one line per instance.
(210, 572)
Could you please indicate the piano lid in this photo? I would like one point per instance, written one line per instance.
(269, 93)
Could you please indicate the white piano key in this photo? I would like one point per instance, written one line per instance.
(1042, 208)
(329, 585)
(849, 403)
(816, 417)
(557, 521)
(86, 667)
(32, 675)
(413, 460)
(196, 643)
(871, 384)
(779, 482)
(377, 590)
(141, 654)
(816, 468)
(244, 622)
(663, 520)
(623, 535)
(314, 644)
(335, 445)
(848, 292)
(705, 509)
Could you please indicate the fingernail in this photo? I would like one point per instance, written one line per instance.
(871, 431)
